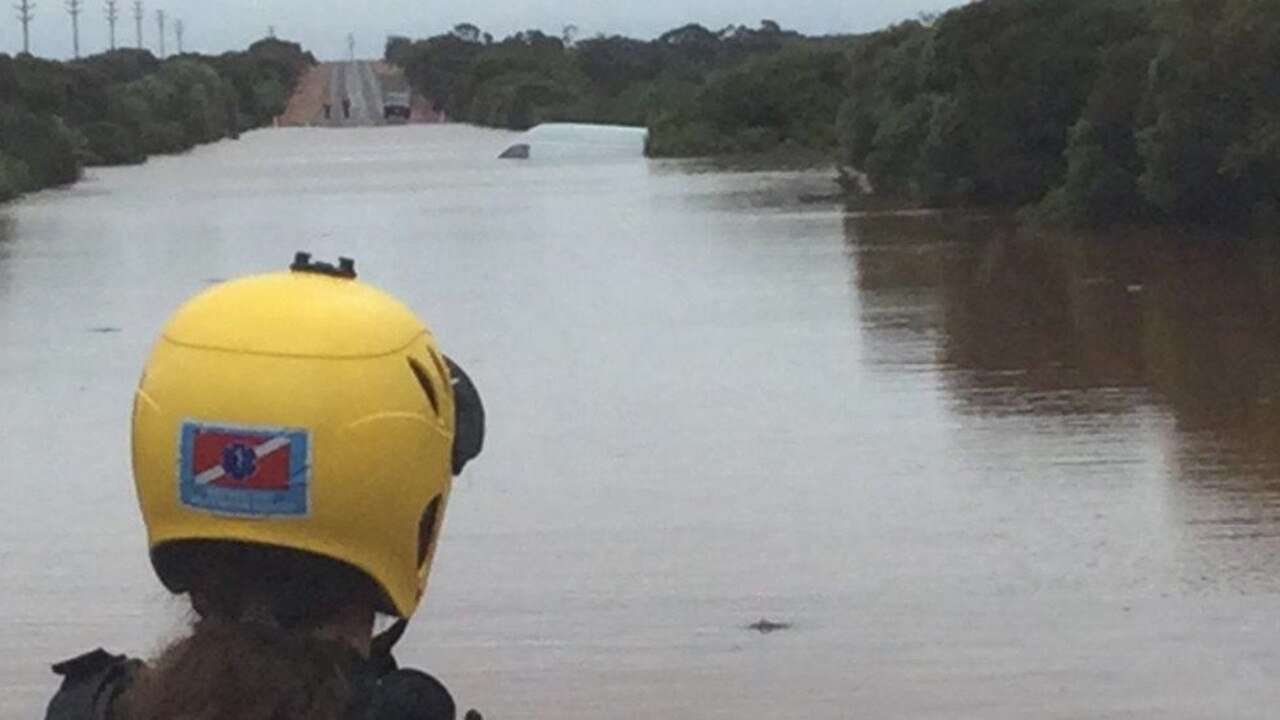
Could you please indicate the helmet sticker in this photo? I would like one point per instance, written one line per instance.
(244, 470)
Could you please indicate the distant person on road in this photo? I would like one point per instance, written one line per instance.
(346, 108)
(295, 438)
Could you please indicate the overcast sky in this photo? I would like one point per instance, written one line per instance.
(322, 25)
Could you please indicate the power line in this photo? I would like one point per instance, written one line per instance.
(73, 9)
(26, 12)
(138, 15)
(160, 24)
(113, 14)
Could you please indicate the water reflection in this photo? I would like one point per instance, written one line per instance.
(1103, 332)
(980, 484)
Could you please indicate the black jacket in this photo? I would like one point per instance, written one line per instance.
(93, 683)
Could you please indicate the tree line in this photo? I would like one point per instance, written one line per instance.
(122, 106)
(1089, 112)
(702, 92)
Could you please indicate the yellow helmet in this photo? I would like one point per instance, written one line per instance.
(304, 410)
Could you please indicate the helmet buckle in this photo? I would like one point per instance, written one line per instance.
(302, 262)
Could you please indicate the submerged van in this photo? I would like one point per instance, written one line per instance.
(579, 141)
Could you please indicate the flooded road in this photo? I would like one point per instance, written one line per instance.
(982, 475)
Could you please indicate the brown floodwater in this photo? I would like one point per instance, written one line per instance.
(982, 474)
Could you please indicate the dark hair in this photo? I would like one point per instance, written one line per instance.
(253, 654)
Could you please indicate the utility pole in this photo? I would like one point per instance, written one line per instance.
(113, 14)
(73, 9)
(179, 28)
(351, 46)
(137, 20)
(26, 11)
(160, 24)
(271, 31)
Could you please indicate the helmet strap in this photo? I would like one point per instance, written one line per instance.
(383, 643)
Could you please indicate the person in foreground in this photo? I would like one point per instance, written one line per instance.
(295, 436)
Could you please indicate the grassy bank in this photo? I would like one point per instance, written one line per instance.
(1084, 112)
(120, 107)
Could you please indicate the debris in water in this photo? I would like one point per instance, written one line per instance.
(765, 626)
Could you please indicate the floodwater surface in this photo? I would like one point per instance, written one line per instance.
(981, 474)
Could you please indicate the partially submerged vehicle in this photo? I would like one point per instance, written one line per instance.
(579, 141)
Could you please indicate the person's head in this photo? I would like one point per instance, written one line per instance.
(295, 436)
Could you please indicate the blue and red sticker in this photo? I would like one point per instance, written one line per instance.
(244, 470)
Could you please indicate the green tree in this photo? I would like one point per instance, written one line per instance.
(442, 67)
(13, 177)
(691, 44)
(1103, 163)
(785, 97)
(614, 64)
(47, 149)
(1211, 148)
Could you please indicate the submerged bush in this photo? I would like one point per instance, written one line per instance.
(47, 148)
(13, 177)
(112, 144)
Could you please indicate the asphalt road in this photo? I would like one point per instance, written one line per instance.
(364, 83)
(357, 84)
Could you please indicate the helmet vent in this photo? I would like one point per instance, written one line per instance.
(427, 529)
(428, 387)
(441, 372)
